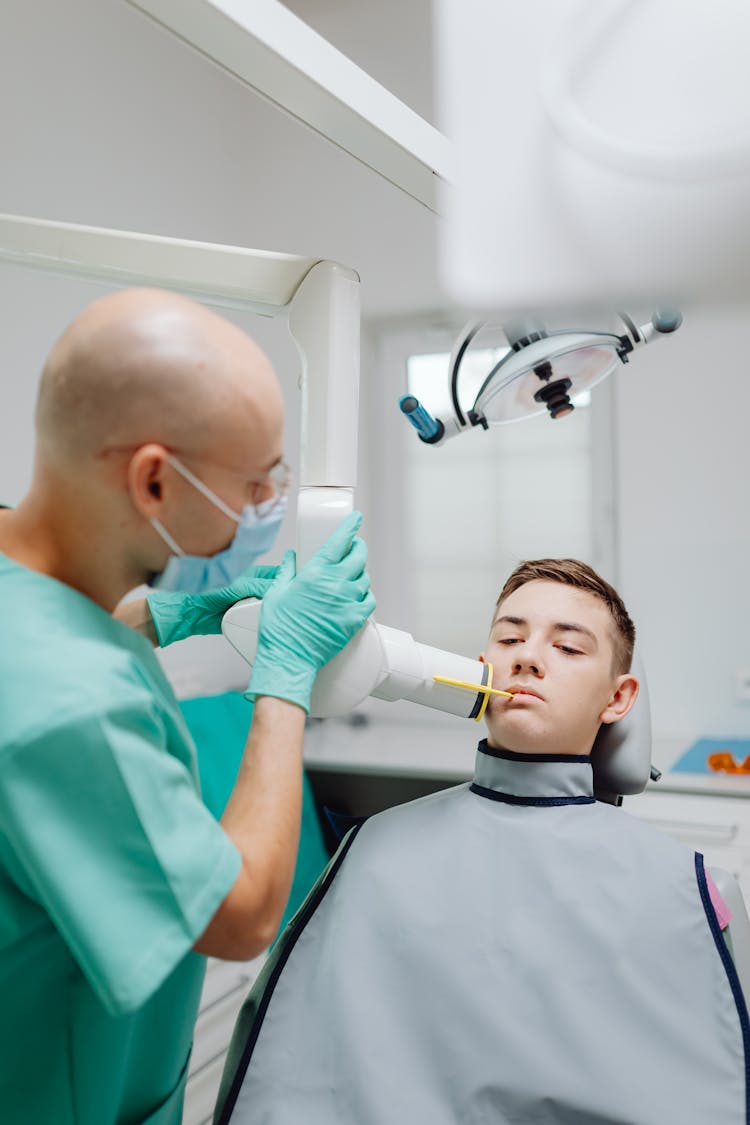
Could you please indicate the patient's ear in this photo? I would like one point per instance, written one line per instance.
(481, 658)
(622, 699)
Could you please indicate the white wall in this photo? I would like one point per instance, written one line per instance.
(684, 518)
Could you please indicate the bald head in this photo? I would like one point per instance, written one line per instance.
(144, 365)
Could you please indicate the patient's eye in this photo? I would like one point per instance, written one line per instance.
(570, 651)
(508, 640)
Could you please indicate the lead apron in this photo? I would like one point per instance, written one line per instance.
(505, 951)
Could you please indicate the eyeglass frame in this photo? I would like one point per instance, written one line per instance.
(280, 486)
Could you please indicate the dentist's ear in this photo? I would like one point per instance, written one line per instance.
(145, 477)
(622, 700)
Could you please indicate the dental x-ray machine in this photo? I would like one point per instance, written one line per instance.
(321, 301)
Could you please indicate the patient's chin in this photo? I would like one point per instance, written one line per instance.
(518, 731)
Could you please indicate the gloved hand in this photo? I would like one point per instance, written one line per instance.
(308, 617)
(177, 616)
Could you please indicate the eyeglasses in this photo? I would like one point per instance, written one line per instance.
(277, 479)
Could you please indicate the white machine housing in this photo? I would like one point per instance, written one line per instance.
(380, 661)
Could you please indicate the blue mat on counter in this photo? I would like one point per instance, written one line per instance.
(695, 758)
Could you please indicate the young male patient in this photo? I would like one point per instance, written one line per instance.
(510, 950)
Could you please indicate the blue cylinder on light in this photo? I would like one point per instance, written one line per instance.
(429, 429)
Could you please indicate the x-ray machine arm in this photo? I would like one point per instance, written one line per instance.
(321, 302)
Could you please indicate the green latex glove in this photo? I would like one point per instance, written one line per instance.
(177, 616)
(308, 617)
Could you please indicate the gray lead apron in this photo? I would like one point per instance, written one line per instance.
(509, 951)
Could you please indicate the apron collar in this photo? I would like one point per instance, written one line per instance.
(533, 779)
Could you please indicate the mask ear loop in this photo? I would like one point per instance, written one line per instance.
(203, 488)
(159, 527)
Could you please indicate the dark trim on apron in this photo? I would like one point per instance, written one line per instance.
(306, 914)
(513, 756)
(731, 971)
(541, 802)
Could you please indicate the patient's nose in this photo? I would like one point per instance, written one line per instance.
(527, 660)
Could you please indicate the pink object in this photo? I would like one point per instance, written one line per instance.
(723, 913)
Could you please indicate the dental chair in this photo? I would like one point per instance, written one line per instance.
(342, 959)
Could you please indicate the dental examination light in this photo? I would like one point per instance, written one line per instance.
(540, 372)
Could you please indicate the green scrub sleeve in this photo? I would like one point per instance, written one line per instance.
(111, 838)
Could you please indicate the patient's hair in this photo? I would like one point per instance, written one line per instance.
(572, 572)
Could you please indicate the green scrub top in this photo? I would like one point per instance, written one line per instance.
(110, 867)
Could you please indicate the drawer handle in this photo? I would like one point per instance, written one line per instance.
(240, 982)
(714, 833)
(207, 1063)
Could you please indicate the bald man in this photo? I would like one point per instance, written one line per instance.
(158, 459)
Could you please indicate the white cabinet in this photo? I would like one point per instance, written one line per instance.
(226, 986)
(716, 826)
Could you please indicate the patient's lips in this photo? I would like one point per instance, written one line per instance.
(523, 693)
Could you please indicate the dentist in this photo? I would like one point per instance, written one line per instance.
(159, 461)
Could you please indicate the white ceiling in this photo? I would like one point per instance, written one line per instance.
(109, 120)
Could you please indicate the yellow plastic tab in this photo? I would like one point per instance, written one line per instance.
(481, 689)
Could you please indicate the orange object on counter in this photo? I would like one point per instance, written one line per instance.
(724, 762)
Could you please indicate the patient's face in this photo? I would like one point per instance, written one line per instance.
(551, 644)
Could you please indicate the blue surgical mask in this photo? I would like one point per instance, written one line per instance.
(257, 528)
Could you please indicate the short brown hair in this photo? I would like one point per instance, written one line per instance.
(572, 572)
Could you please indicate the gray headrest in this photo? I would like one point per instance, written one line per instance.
(621, 755)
